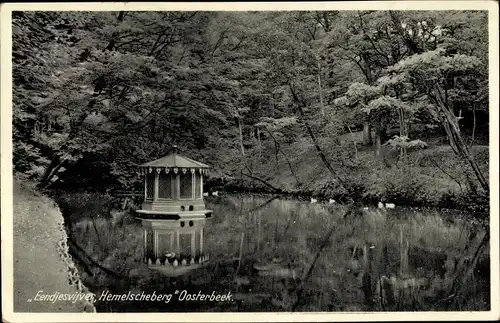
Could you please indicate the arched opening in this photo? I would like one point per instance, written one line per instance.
(186, 185)
(198, 186)
(150, 183)
(166, 186)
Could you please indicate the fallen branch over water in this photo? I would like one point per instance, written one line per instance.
(278, 190)
(262, 205)
(324, 243)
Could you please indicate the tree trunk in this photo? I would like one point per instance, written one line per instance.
(51, 171)
(320, 90)
(378, 144)
(402, 130)
(367, 133)
(354, 143)
(321, 154)
(260, 144)
(378, 140)
(277, 190)
(332, 171)
(57, 162)
(412, 45)
(473, 125)
(278, 150)
(326, 21)
(457, 143)
(112, 42)
(242, 147)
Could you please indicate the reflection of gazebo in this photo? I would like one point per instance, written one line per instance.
(173, 213)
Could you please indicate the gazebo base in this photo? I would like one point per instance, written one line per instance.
(147, 214)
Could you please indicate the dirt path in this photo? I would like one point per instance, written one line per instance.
(41, 262)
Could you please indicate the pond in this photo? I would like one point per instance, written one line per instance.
(295, 256)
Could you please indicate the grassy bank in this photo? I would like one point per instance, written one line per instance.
(432, 177)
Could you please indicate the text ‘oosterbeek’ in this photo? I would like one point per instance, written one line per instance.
(213, 297)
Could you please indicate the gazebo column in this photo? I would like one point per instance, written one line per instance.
(193, 184)
(145, 246)
(156, 186)
(177, 177)
(201, 241)
(178, 243)
(155, 237)
(201, 185)
(193, 243)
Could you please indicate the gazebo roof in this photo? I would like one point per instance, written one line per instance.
(174, 160)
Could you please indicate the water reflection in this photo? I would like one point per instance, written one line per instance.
(279, 255)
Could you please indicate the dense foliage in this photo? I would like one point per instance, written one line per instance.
(257, 95)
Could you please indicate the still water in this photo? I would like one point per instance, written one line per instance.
(295, 256)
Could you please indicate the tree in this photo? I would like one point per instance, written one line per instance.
(429, 72)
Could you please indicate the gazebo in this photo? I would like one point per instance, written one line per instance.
(173, 213)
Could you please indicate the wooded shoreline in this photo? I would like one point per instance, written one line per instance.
(478, 209)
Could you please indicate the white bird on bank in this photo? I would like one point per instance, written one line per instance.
(313, 200)
(216, 193)
(205, 194)
(386, 205)
(365, 208)
(331, 201)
